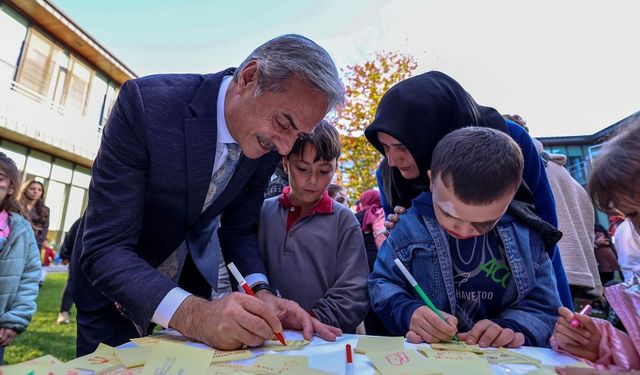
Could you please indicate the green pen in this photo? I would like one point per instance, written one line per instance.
(421, 292)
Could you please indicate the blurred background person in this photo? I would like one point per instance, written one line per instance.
(606, 255)
(338, 194)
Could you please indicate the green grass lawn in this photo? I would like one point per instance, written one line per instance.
(44, 336)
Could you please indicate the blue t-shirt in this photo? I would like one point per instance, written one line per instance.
(480, 276)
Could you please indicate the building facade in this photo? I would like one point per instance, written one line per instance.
(57, 88)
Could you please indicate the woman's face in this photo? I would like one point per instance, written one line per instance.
(629, 206)
(34, 192)
(399, 157)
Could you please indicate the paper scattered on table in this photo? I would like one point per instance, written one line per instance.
(507, 357)
(160, 337)
(99, 362)
(169, 358)
(400, 362)
(268, 364)
(372, 344)
(133, 357)
(126, 371)
(457, 347)
(276, 346)
(230, 355)
(455, 362)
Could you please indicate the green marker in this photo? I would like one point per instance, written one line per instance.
(421, 293)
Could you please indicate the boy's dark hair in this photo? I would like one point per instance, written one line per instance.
(324, 138)
(479, 164)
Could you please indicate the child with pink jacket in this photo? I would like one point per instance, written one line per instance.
(596, 341)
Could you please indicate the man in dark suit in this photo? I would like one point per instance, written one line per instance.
(170, 188)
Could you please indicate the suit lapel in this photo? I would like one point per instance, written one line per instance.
(200, 137)
(200, 146)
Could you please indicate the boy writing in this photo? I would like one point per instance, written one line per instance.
(488, 273)
(312, 246)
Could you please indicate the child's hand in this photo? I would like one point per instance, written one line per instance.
(6, 336)
(583, 341)
(426, 326)
(487, 333)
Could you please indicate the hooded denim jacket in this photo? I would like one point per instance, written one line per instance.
(530, 300)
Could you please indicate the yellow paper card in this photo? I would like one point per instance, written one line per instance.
(505, 357)
(100, 361)
(133, 357)
(126, 371)
(448, 354)
(457, 347)
(403, 362)
(158, 338)
(372, 344)
(168, 358)
(276, 346)
(453, 363)
(230, 355)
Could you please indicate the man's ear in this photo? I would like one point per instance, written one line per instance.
(248, 77)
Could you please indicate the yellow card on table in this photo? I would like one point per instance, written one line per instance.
(276, 346)
(402, 362)
(230, 355)
(372, 344)
(505, 357)
(168, 358)
(126, 371)
(453, 363)
(268, 364)
(133, 357)
(100, 361)
(159, 337)
(457, 347)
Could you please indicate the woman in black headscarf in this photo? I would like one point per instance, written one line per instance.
(415, 114)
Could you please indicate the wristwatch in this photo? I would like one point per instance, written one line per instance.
(262, 285)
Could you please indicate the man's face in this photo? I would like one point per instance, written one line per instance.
(273, 120)
(342, 197)
(308, 178)
(463, 220)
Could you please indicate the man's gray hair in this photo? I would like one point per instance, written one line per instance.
(291, 55)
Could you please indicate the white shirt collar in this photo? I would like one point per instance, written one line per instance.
(223, 131)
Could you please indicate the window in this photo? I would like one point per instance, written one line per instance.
(39, 64)
(76, 87)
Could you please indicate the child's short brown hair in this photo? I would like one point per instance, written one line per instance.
(479, 164)
(615, 176)
(324, 138)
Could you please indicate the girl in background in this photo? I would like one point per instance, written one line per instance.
(19, 259)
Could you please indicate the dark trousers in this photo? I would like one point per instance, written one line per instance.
(104, 325)
(1, 355)
(67, 300)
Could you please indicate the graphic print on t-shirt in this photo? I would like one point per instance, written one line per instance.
(480, 276)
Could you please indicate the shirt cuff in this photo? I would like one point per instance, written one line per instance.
(168, 306)
(253, 279)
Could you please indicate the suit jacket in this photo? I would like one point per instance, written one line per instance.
(149, 182)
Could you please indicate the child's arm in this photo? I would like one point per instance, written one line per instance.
(19, 314)
(346, 302)
(534, 315)
(401, 311)
(595, 340)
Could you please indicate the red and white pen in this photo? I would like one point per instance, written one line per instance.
(575, 323)
(349, 369)
(243, 283)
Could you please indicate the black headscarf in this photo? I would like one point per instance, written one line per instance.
(419, 112)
